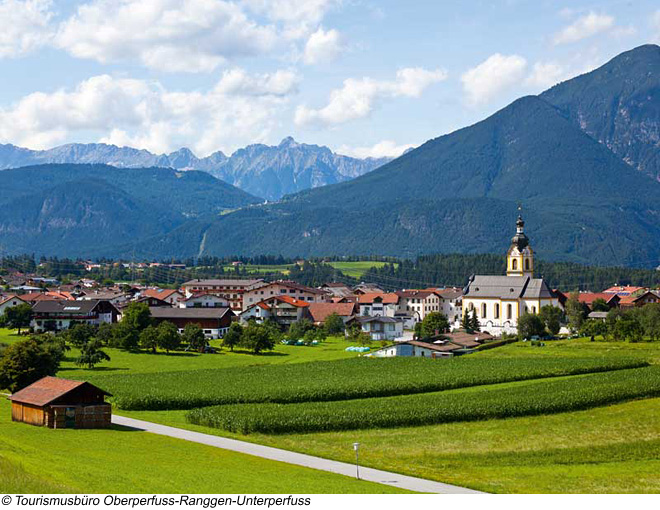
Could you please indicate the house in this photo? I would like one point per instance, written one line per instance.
(418, 303)
(337, 290)
(415, 348)
(61, 403)
(172, 296)
(625, 290)
(214, 321)
(58, 315)
(451, 302)
(637, 300)
(380, 327)
(465, 339)
(367, 288)
(283, 288)
(378, 304)
(204, 300)
(113, 296)
(587, 298)
(284, 310)
(9, 302)
(148, 300)
(231, 289)
(319, 312)
(500, 300)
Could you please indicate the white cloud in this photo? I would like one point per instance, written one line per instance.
(498, 72)
(168, 35)
(384, 149)
(322, 47)
(299, 17)
(545, 75)
(585, 26)
(144, 114)
(357, 97)
(238, 82)
(24, 26)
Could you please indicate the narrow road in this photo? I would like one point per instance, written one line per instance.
(299, 459)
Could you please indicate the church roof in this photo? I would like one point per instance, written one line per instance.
(507, 287)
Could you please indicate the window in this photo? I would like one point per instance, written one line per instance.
(514, 264)
(533, 309)
(526, 264)
(497, 310)
(509, 311)
(483, 310)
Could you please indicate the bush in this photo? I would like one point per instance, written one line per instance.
(432, 408)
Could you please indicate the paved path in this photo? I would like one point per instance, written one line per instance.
(300, 459)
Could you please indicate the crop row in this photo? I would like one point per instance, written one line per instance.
(334, 380)
(569, 394)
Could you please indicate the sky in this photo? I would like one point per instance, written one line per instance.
(366, 78)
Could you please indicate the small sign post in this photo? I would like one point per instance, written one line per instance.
(356, 447)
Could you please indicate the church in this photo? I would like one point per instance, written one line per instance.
(500, 300)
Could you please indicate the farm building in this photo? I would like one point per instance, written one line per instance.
(214, 321)
(61, 403)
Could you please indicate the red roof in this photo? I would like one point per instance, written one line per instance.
(320, 311)
(291, 301)
(47, 389)
(159, 293)
(624, 290)
(588, 298)
(369, 297)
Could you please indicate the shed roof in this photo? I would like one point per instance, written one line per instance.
(48, 389)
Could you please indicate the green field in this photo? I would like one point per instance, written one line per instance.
(41, 460)
(261, 269)
(356, 269)
(605, 447)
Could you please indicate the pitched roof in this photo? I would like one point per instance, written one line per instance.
(163, 312)
(507, 287)
(432, 347)
(292, 301)
(65, 307)
(370, 297)
(624, 290)
(320, 311)
(464, 338)
(415, 293)
(224, 282)
(4, 299)
(48, 389)
(291, 285)
(159, 293)
(588, 298)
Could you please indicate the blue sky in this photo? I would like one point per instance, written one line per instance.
(366, 78)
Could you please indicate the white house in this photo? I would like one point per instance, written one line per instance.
(500, 300)
(413, 348)
(204, 300)
(381, 327)
(377, 304)
(9, 302)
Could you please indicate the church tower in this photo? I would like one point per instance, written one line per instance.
(520, 257)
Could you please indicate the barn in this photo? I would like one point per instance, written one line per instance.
(61, 403)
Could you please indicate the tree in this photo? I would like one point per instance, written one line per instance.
(551, 317)
(80, 334)
(26, 362)
(298, 329)
(233, 336)
(433, 324)
(334, 324)
(466, 322)
(649, 317)
(194, 336)
(575, 312)
(149, 338)
(257, 338)
(125, 336)
(530, 325)
(18, 317)
(627, 328)
(474, 322)
(600, 305)
(105, 333)
(593, 328)
(91, 354)
(168, 336)
(137, 315)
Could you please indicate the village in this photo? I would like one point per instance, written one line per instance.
(487, 309)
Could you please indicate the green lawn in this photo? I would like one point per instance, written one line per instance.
(262, 269)
(142, 362)
(356, 269)
(41, 460)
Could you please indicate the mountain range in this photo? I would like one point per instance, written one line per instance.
(266, 171)
(581, 159)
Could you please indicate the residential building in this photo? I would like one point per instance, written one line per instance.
(284, 310)
(172, 296)
(415, 348)
(378, 304)
(587, 298)
(319, 312)
(57, 315)
(230, 289)
(9, 302)
(500, 300)
(380, 327)
(294, 290)
(214, 321)
(204, 300)
(451, 302)
(418, 303)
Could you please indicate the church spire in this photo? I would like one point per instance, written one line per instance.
(520, 257)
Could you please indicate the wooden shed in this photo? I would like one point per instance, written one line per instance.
(61, 403)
